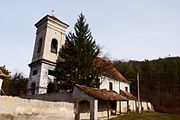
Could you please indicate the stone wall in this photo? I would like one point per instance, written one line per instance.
(26, 109)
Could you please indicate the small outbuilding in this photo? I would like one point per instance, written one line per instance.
(93, 103)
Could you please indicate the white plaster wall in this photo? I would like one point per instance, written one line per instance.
(123, 106)
(145, 106)
(34, 78)
(45, 78)
(40, 34)
(132, 104)
(53, 31)
(150, 106)
(25, 109)
(123, 85)
(105, 84)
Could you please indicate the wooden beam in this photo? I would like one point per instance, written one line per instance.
(116, 109)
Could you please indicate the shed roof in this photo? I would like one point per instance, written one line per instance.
(101, 93)
(128, 95)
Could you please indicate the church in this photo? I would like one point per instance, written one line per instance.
(113, 96)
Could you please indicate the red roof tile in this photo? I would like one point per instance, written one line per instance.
(110, 70)
(128, 95)
(101, 93)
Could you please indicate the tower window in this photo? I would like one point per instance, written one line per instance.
(110, 86)
(39, 45)
(35, 72)
(54, 45)
(50, 72)
(126, 88)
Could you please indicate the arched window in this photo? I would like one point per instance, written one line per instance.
(39, 45)
(54, 45)
(50, 88)
(33, 87)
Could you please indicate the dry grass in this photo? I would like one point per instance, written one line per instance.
(148, 116)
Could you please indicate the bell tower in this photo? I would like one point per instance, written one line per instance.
(50, 36)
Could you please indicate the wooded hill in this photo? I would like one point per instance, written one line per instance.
(159, 81)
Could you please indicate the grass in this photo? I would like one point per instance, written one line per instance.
(148, 116)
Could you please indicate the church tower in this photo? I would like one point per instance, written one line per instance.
(50, 36)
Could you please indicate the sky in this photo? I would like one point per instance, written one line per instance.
(124, 29)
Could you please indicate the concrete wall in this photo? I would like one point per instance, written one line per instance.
(146, 106)
(25, 109)
(132, 105)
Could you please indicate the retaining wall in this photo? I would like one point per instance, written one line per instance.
(29, 109)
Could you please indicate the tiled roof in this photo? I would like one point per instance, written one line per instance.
(128, 95)
(110, 70)
(101, 93)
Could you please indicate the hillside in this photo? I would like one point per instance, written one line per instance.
(159, 81)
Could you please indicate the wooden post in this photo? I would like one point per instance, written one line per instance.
(108, 109)
(116, 109)
(120, 107)
(77, 114)
(127, 106)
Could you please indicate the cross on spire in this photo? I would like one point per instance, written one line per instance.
(53, 11)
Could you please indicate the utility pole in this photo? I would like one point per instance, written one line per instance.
(139, 105)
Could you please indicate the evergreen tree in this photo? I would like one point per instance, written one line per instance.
(18, 85)
(76, 57)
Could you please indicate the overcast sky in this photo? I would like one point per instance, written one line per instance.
(125, 29)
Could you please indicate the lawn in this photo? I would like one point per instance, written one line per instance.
(148, 116)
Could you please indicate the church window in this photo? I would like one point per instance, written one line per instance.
(35, 72)
(39, 45)
(50, 72)
(110, 86)
(126, 88)
(54, 45)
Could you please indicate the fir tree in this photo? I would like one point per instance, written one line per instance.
(76, 57)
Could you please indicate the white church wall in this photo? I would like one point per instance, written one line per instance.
(123, 86)
(57, 32)
(45, 79)
(105, 84)
(40, 35)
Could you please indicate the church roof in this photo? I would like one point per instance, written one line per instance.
(101, 93)
(109, 70)
(128, 95)
(51, 17)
